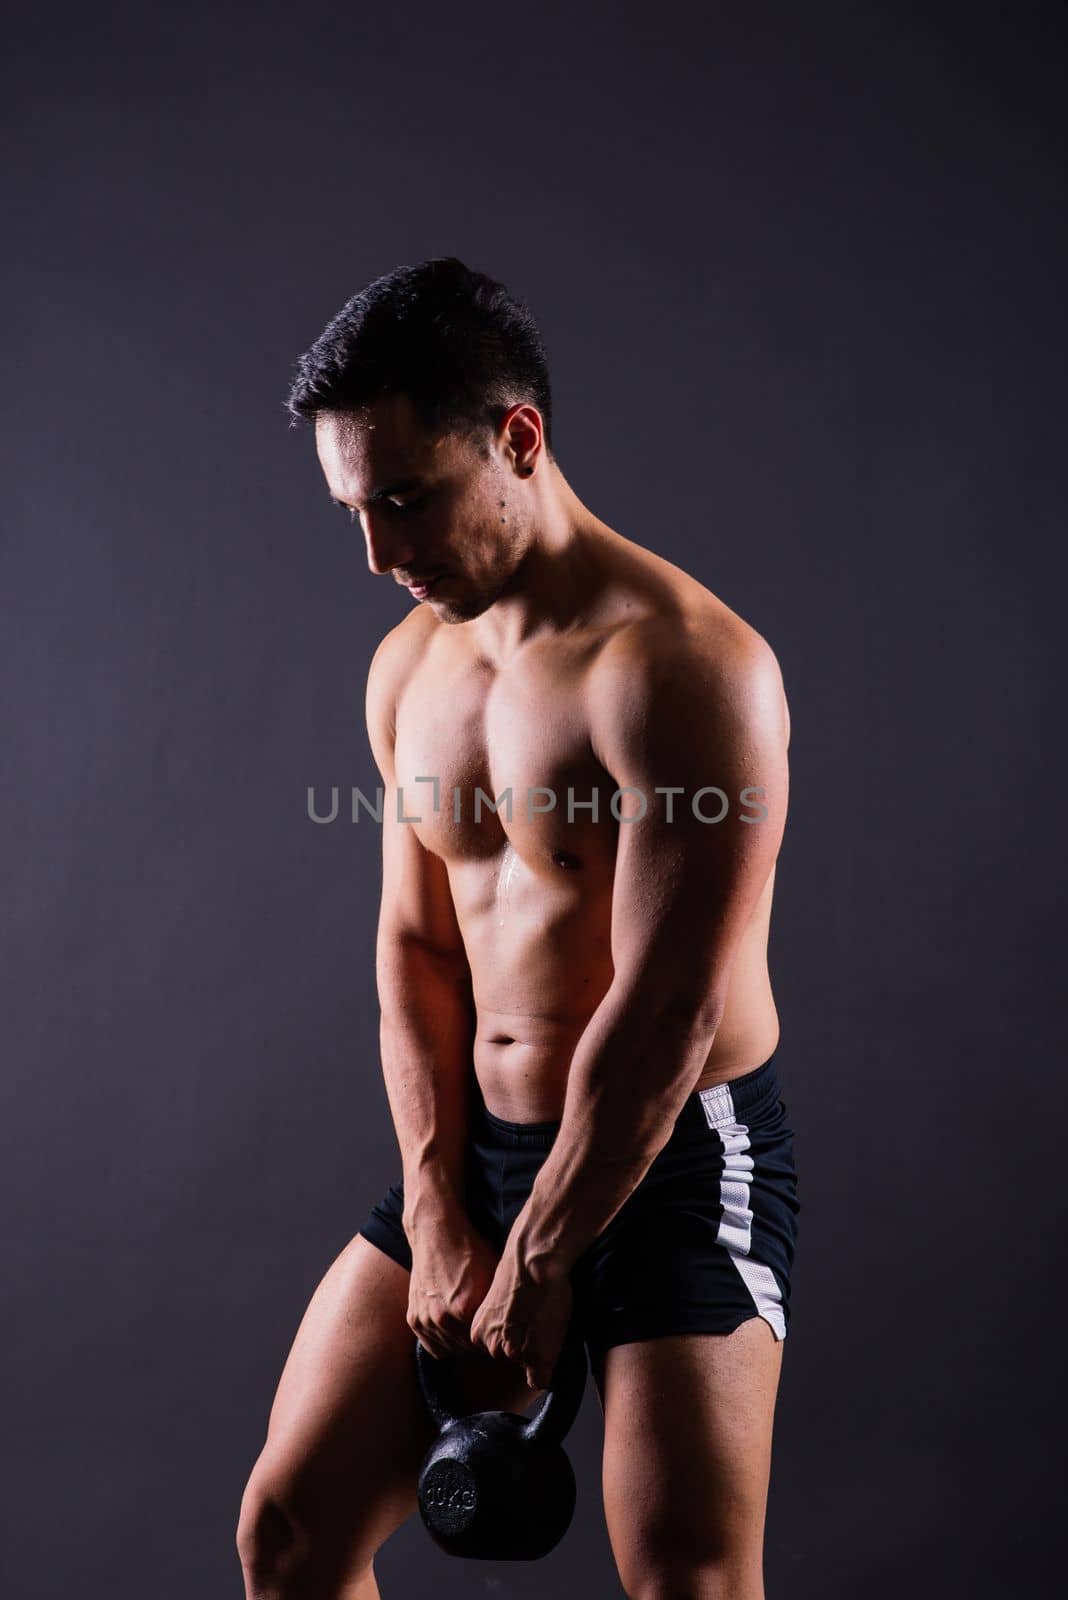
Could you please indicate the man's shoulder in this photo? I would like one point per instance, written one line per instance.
(399, 651)
(662, 616)
(694, 636)
(396, 657)
(679, 659)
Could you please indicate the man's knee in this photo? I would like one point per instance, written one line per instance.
(709, 1581)
(710, 1568)
(270, 1543)
(285, 1553)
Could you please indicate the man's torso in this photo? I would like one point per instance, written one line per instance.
(532, 890)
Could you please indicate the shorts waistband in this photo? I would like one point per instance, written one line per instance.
(742, 1097)
(512, 1135)
(703, 1109)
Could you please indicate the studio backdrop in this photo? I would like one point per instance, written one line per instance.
(800, 276)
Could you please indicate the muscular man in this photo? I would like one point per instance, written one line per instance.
(583, 758)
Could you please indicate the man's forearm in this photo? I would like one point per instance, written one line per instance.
(426, 1034)
(629, 1078)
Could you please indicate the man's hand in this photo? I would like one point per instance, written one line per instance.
(452, 1267)
(525, 1319)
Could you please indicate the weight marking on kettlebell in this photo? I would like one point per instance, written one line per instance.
(496, 1485)
(458, 1499)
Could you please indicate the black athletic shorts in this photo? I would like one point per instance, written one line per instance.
(704, 1242)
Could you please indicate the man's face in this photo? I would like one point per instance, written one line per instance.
(442, 507)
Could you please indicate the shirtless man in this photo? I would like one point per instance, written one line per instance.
(577, 1024)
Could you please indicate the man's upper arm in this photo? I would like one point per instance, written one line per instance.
(417, 905)
(673, 706)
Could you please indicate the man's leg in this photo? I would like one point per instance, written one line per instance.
(687, 1458)
(347, 1434)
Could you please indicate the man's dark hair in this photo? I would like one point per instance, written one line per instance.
(455, 341)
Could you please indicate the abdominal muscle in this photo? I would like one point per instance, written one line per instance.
(536, 985)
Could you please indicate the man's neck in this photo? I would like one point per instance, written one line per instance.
(552, 582)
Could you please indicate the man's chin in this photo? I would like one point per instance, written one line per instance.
(457, 610)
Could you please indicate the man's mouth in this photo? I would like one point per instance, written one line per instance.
(421, 589)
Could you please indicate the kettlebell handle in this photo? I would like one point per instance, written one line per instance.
(556, 1413)
(438, 1385)
(558, 1410)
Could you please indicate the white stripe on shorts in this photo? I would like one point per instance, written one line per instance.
(736, 1228)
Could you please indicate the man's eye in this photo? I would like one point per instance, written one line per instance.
(394, 505)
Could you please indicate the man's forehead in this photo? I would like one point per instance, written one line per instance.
(370, 433)
(363, 451)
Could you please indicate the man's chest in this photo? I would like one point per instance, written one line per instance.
(469, 740)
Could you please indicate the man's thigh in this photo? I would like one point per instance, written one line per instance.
(687, 1454)
(348, 1428)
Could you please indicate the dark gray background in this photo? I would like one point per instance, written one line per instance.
(800, 272)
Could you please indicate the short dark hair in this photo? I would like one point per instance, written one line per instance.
(455, 341)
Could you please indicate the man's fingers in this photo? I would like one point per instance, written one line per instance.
(447, 1337)
(432, 1341)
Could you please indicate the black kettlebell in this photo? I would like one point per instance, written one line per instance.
(497, 1486)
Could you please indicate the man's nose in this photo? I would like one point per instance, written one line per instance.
(385, 551)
